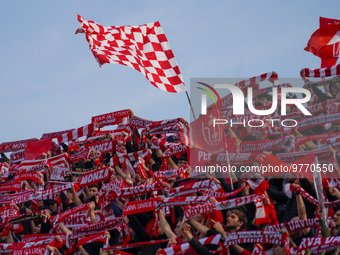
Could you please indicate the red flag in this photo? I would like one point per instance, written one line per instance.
(324, 42)
(144, 48)
(35, 148)
(206, 135)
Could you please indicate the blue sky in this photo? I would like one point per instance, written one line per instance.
(50, 81)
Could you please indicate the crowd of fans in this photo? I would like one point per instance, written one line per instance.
(140, 157)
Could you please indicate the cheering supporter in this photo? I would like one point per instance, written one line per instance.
(137, 188)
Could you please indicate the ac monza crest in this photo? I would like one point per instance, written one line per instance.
(212, 135)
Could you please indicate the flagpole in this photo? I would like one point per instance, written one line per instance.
(192, 110)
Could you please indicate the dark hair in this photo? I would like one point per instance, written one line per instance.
(241, 217)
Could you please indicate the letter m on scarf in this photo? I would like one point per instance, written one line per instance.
(144, 48)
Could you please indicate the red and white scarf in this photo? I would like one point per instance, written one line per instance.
(321, 72)
(58, 173)
(103, 147)
(95, 228)
(16, 145)
(174, 150)
(94, 176)
(222, 195)
(10, 187)
(181, 249)
(100, 237)
(285, 142)
(107, 116)
(198, 186)
(130, 245)
(293, 226)
(170, 173)
(224, 205)
(312, 200)
(77, 133)
(133, 156)
(77, 209)
(259, 236)
(136, 190)
(317, 244)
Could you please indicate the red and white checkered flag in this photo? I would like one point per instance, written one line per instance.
(144, 48)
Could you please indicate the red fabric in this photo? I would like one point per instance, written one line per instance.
(216, 216)
(35, 148)
(321, 45)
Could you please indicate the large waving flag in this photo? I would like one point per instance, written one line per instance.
(144, 48)
(324, 42)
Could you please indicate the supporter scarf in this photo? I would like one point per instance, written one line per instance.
(18, 197)
(10, 187)
(27, 176)
(51, 193)
(133, 156)
(16, 145)
(291, 157)
(320, 72)
(183, 201)
(304, 139)
(79, 132)
(285, 142)
(107, 212)
(310, 122)
(34, 250)
(162, 143)
(81, 154)
(312, 200)
(17, 156)
(25, 217)
(317, 244)
(181, 249)
(293, 226)
(155, 204)
(271, 131)
(140, 170)
(136, 190)
(76, 220)
(55, 134)
(224, 205)
(27, 166)
(95, 228)
(130, 245)
(167, 129)
(58, 173)
(37, 237)
(259, 236)
(103, 147)
(237, 159)
(94, 176)
(221, 195)
(115, 185)
(143, 123)
(77, 209)
(189, 188)
(170, 173)
(106, 116)
(61, 160)
(100, 237)
(124, 232)
(174, 150)
(8, 212)
(142, 206)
